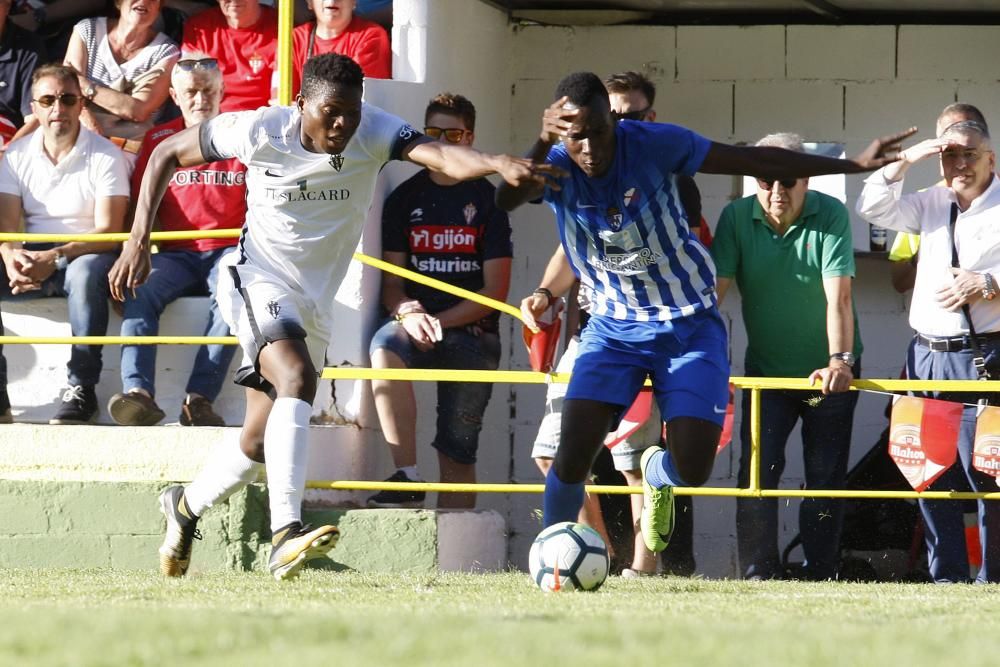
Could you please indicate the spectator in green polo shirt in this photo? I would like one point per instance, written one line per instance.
(790, 252)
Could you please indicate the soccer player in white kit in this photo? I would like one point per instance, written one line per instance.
(311, 172)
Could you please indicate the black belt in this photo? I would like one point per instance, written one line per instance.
(955, 343)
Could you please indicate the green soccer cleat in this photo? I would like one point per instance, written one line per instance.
(295, 545)
(182, 530)
(657, 519)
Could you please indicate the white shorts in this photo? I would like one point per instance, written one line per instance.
(261, 308)
(626, 454)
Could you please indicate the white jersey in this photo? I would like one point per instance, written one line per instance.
(305, 211)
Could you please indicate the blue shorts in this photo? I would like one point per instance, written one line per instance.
(686, 359)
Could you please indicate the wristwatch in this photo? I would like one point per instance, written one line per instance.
(90, 91)
(989, 287)
(846, 357)
(61, 261)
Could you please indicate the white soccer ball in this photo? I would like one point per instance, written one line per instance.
(569, 556)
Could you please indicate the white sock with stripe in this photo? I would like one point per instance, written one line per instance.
(227, 471)
(286, 440)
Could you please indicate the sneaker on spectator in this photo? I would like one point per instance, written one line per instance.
(197, 411)
(182, 530)
(79, 406)
(5, 416)
(134, 409)
(295, 545)
(411, 499)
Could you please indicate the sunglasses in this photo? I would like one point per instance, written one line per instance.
(634, 115)
(66, 99)
(452, 136)
(191, 64)
(787, 183)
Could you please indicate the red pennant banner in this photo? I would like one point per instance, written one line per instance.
(986, 453)
(923, 438)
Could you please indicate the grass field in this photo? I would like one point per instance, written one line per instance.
(94, 617)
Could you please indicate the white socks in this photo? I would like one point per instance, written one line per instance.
(227, 471)
(286, 439)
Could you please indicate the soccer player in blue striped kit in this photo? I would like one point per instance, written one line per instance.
(654, 310)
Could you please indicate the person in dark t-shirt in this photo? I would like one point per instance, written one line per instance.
(451, 231)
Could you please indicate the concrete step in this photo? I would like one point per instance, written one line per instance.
(77, 524)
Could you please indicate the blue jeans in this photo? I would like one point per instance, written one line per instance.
(176, 273)
(826, 443)
(84, 283)
(947, 557)
(461, 405)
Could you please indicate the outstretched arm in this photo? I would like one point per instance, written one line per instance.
(778, 163)
(132, 267)
(466, 164)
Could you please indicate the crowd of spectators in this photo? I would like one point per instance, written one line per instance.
(130, 74)
(122, 81)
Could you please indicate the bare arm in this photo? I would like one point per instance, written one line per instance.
(466, 164)
(903, 274)
(181, 150)
(11, 251)
(837, 375)
(721, 288)
(778, 163)
(557, 279)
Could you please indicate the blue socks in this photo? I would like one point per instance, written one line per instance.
(660, 471)
(562, 501)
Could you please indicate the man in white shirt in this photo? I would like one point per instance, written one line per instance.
(964, 214)
(311, 173)
(64, 179)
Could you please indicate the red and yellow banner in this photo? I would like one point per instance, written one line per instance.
(986, 453)
(923, 438)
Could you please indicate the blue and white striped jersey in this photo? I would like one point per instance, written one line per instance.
(626, 234)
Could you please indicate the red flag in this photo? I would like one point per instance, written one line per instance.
(986, 454)
(542, 345)
(923, 438)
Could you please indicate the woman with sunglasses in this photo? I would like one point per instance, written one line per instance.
(124, 65)
(338, 30)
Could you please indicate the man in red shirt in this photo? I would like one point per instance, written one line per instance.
(337, 30)
(243, 37)
(211, 196)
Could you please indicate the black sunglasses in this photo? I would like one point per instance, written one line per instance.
(65, 99)
(635, 115)
(787, 183)
(451, 135)
(191, 64)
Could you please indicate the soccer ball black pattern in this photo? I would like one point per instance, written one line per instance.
(569, 556)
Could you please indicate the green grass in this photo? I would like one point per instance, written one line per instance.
(104, 617)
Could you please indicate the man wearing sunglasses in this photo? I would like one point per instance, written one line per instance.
(205, 197)
(955, 314)
(311, 173)
(450, 230)
(654, 311)
(63, 178)
(790, 252)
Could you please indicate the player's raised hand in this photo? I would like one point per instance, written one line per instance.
(925, 149)
(130, 270)
(882, 151)
(557, 119)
